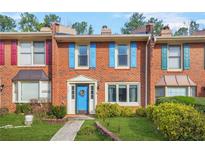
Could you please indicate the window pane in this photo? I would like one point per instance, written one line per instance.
(92, 92)
(25, 59)
(111, 93)
(73, 92)
(177, 91)
(16, 91)
(39, 47)
(193, 91)
(82, 56)
(29, 91)
(160, 92)
(122, 93)
(25, 47)
(122, 55)
(174, 63)
(82, 50)
(133, 93)
(174, 51)
(39, 58)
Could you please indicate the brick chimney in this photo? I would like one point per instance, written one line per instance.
(166, 31)
(149, 28)
(106, 31)
(57, 28)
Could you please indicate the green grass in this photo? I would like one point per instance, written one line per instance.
(133, 129)
(40, 131)
(94, 136)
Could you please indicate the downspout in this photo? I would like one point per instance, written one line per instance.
(146, 62)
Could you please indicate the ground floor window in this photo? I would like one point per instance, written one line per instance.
(25, 91)
(122, 92)
(175, 91)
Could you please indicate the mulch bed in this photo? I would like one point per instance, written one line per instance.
(55, 121)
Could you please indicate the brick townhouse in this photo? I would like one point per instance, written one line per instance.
(81, 71)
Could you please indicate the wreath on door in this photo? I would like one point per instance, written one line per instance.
(82, 92)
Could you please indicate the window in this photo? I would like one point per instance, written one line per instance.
(133, 93)
(177, 91)
(39, 53)
(174, 57)
(92, 92)
(82, 55)
(32, 53)
(193, 91)
(73, 92)
(122, 55)
(122, 92)
(24, 92)
(112, 93)
(160, 92)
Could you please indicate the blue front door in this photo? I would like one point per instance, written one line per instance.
(82, 99)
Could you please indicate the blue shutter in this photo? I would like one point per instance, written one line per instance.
(186, 57)
(164, 57)
(93, 55)
(71, 55)
(133, 54)
(112, 54)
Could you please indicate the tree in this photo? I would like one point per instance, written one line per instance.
(29, 22)
(90, 30)
(193, 27)
(135, 21)
(181, 31)
(7, 24)
(49, 19)
(82, 28)
(158, 25)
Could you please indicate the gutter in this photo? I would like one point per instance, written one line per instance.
(146, 63)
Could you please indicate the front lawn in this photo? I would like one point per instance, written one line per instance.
(40, 131)
(94, 136)
(133, 129)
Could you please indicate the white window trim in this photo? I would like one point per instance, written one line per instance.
(76, 56)
(32, 54)
(19, 91)
(181, 55)
(117, 92)
(116, 56)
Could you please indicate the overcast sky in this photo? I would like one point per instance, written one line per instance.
(116, 20)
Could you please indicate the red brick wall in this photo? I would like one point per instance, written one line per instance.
(7, 72)
(61, 72)
(196, 71)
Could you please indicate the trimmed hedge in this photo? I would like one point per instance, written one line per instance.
(178, 121)
(58, 111)
(183, 100)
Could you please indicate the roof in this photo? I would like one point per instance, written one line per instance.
(31, 75)
(175, 80)
(101, 38)
(140, 30)
(25, 35)
(200, 32)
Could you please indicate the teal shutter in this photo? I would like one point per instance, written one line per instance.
(112, 54)
(164, 57)
(93, 55)
(186, 57)
(71, 55)
(133, 54)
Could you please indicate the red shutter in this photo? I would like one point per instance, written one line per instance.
(2, 62)
(13, 52)
(48, 52)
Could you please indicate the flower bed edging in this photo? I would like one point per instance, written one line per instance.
(106, 132)
(55, 121)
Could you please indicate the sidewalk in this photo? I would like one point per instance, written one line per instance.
(68, 131)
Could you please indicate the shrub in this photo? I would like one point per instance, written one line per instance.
(58, 111)
(127, 111)
(3, 111)
(141, 112)
(179, 122)
(40, 110)
(87, 130)
(23, 108)
(106, 110)
(149, 111)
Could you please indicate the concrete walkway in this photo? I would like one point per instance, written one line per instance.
(68, 131)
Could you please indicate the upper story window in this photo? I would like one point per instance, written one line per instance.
(174, 57)
(82, 56)
(32, 53)
(122, 55)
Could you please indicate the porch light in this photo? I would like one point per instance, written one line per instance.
(1, 87)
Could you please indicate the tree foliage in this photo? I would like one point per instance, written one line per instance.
(183, 31)
(82, 28)
(49, 19)
(158, 25)
(29, 22)
(193, 27)
(7, 24)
